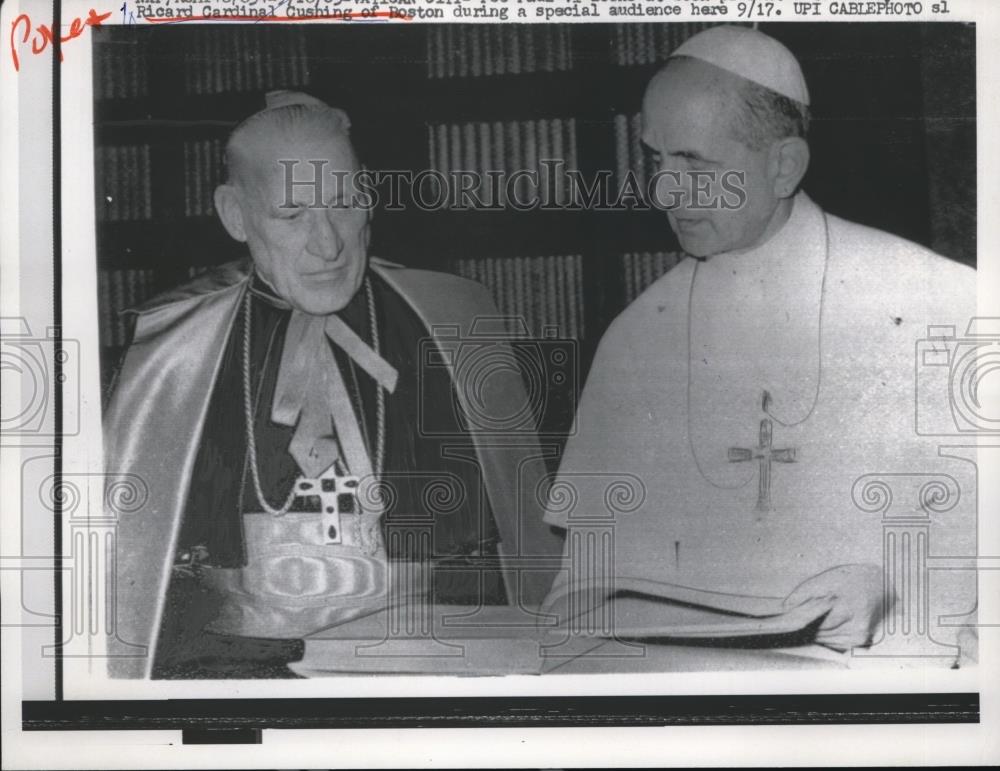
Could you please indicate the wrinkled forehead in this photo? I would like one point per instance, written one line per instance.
(691, 94)
(266, 158)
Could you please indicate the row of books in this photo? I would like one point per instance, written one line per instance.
(122, 182)
(124, 288)
(248, 57)
(649, 43)
(203, 171)
(508, 147)
(643, 268)
(475, 50)
(539, 293)
(123, 172)
(121, 70)
(244, 57)
(630, 155)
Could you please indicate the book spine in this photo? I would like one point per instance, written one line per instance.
(532, 295)
(484, 189)
(115, 180)
(476, 68)
(257, 72)
(469, 154)
(188, 177)
(449, 51)
(637, 158)
(239, 53)
(512, 35)
(430, 49)
(490, 280)
(498, 159)
(204, 63)
(530, 146)
(227, 59)
(463, 51)
(545, 180)
(129, 182)
(199, 61)
(456, 162)
(267, 53)
(515, 158)
(621, 149)
(530, 54)
(561, 280)
(100, 182)
(117, 306)
(202, 178)
(560, 183)
(282, 59)
(486, 35)
(443, 152)
(301, 58)
(443, 51)
(103, 68)
(104, 304)
(499, 45)
(218, 59)
(187, 66)
(503, 288)
(432, 156)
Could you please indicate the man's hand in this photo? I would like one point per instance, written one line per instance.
(857, 597)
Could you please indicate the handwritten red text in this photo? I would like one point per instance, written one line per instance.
(43, 35)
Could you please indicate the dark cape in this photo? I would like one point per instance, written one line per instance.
(222, 487)
(175, 420)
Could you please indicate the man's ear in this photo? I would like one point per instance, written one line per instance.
(790, 159)
(230, 211)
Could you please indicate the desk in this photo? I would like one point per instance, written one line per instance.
(502, 640)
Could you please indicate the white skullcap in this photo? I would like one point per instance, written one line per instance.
(751, 55)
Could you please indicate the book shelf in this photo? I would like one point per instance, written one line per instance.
(472, 96)
(442, 97)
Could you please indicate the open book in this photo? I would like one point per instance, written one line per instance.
(418, 638)
(642, 608)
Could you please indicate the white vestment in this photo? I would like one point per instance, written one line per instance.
(794, 360)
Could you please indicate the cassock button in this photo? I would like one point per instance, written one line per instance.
(331, 533)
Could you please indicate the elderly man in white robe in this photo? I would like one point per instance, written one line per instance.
(757, 393)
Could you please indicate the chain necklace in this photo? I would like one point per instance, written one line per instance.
(248, 410)
(766, 399)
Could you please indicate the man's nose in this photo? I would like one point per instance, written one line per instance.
(324, 240)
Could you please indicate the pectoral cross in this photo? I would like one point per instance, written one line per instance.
(332, 495)
(764, 453)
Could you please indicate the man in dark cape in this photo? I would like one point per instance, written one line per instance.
(230, 563)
